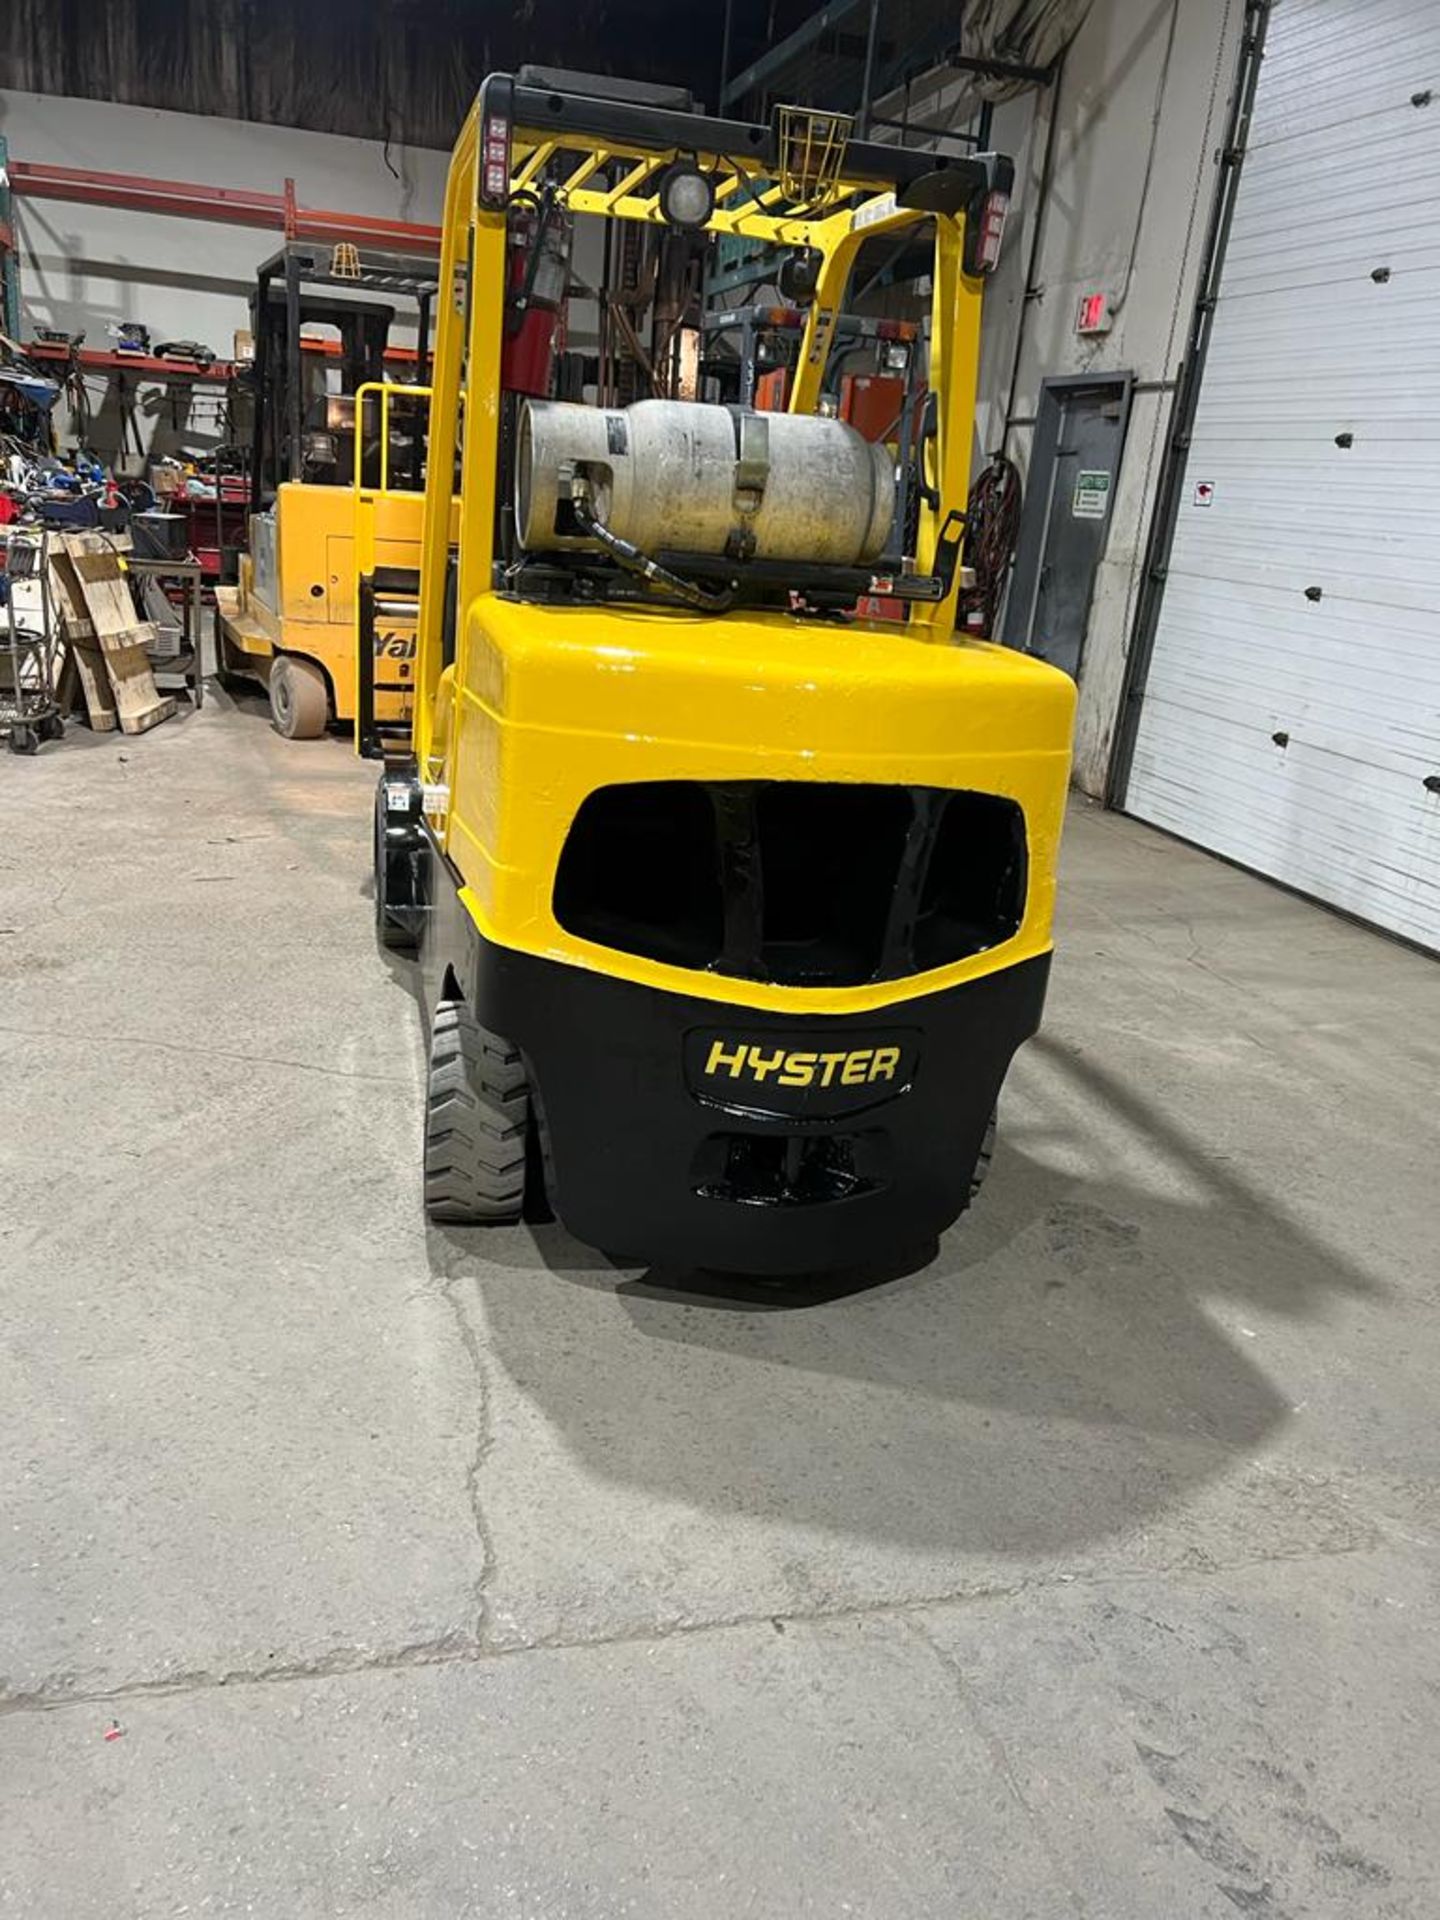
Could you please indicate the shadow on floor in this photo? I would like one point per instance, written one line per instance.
(1056, 1372)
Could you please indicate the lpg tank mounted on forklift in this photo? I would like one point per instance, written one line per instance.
(731, 906)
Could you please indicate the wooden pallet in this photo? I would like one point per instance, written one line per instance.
(119, 638)
(84, 667)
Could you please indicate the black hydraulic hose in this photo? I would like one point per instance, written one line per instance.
(634, 561)
(992, 527)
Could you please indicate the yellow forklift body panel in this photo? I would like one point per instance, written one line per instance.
(315, 570)
(249, 627)
(553, 702)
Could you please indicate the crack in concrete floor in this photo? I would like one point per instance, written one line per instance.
(470, 1647)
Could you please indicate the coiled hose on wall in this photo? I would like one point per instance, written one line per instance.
(992, 526)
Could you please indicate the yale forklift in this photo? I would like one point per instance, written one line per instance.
(290, 622)
(731, 906)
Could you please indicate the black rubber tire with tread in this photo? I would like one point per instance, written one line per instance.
(477, 1114)
(299, 699)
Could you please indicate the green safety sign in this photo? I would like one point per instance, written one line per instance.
(1091, 498)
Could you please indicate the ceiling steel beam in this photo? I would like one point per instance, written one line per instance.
(805, 35)
(927, 129)
(230, 206)
(150, 366)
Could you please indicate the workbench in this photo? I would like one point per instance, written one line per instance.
(187, 665)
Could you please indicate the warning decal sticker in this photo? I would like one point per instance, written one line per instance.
(1092, 495)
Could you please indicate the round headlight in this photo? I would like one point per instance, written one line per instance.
(687, 196)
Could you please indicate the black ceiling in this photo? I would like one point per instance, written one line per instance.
(406, 67)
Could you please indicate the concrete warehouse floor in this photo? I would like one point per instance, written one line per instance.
(1089, 1570)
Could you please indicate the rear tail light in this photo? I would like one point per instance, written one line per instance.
(495, 119)
(984, 234)
(495, 166)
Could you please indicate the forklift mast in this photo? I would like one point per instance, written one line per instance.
(298, 435)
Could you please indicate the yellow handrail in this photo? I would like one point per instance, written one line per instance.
(386, 391)
(367, 497)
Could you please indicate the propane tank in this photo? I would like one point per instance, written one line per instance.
(686, 477)
(537, 274)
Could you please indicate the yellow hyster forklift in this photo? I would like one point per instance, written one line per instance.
(731, 906)
(322, 319)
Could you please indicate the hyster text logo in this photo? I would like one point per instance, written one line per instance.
(856, 1068)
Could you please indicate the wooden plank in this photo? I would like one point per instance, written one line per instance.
(68, 600)
(137, 703)
(142, 635)
(95, 686)
(100, 571)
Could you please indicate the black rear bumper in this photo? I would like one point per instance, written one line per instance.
(695, 1133)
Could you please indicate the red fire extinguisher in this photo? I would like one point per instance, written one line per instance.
(537, 276)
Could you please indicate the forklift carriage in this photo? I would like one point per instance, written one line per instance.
(732, 905)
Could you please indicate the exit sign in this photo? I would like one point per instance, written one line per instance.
(1093, 313)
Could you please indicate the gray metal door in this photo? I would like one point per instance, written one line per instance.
(1074, 470)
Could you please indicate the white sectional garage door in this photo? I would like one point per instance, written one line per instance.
(1291, 714)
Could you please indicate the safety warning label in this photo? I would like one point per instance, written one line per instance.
(1091, 496)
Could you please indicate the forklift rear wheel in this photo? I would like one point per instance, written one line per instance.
(476, 1120)
(299, 703)
(23, 739)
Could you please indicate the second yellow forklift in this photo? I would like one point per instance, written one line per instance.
(323, 321)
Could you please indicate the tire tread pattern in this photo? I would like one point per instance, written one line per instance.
(476, 1119)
